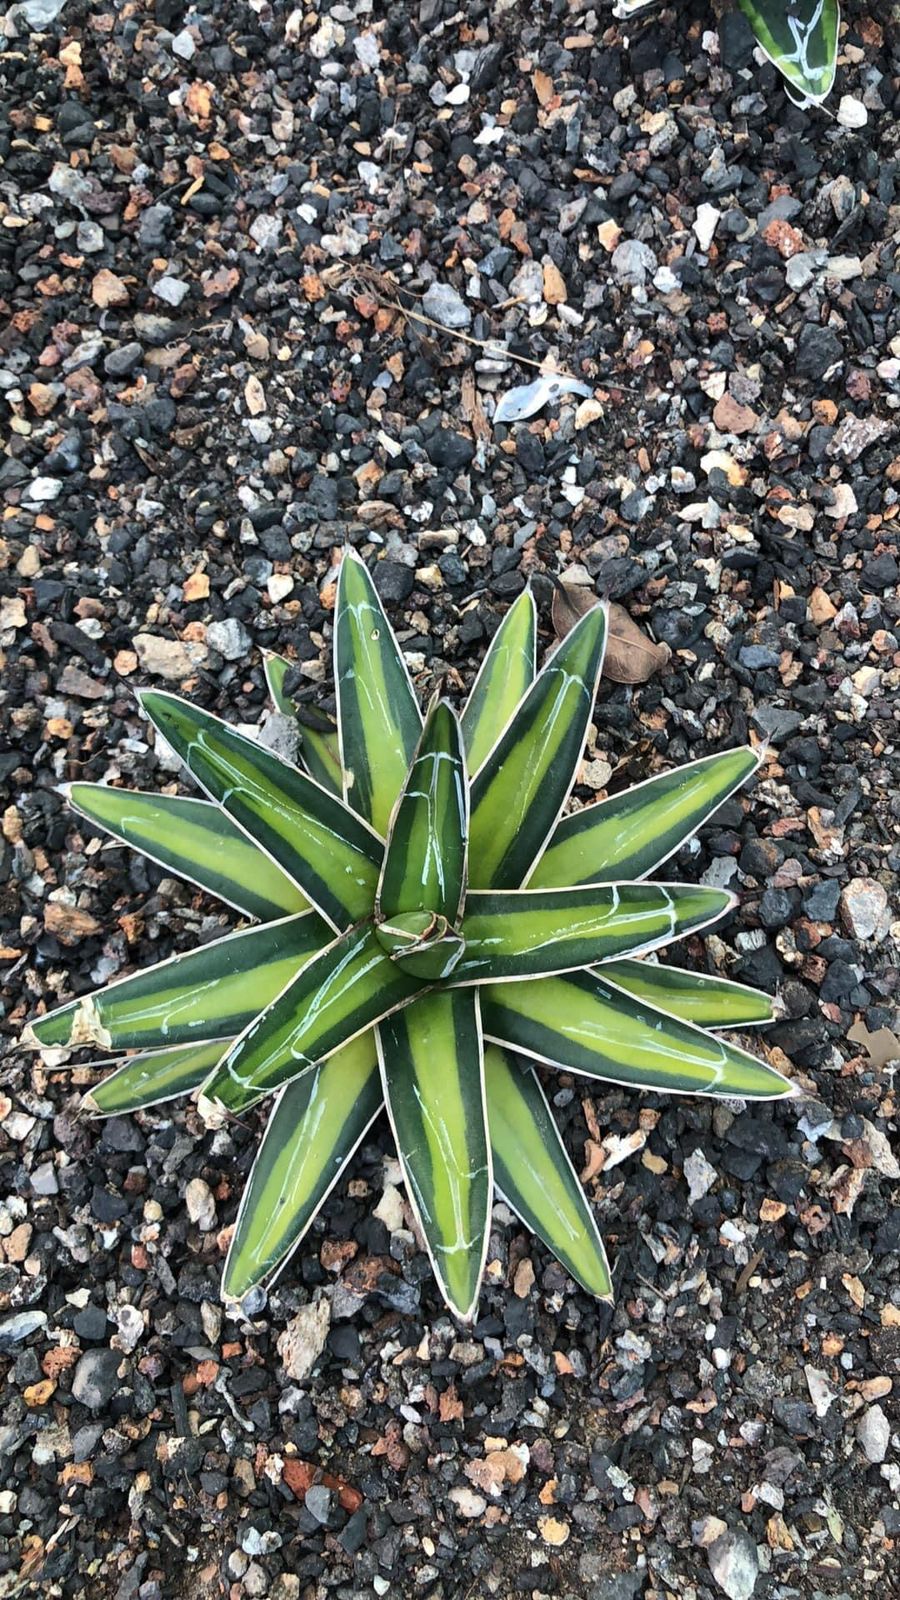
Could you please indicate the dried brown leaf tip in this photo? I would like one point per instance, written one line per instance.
(631, 657)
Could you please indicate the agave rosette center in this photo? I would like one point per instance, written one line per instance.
(429, 930)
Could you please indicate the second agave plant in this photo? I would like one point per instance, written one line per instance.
(426, 931)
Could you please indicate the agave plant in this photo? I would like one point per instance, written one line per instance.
(799, 37)
(430, 930)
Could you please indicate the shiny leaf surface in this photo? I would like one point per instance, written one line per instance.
(631, 834)
(519, 791)
(525, 934)
(316, 1124)
(800, 37)
(195, 840)
(708, 1002)
(378, 718)
(211, 992)
(153, 1077)
(582, 1024)
(339, 993)
(319, 843)
(505, 674)
(425, 858)
(433, 1078)
(534, 1174)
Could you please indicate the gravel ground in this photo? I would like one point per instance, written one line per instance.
(220, 231)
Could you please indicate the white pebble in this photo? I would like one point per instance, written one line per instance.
(705, 225)
(851, 113)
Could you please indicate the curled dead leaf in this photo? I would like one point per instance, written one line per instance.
(631, 657)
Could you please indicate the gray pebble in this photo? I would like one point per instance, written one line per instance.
(442, 303)
(154, 227)
(90, 237)
(874, 1434)
(96, 1377)
(44, 1180)
(171, 290)
(123, 360)
(633, 262)
(318, 1502)
(230, 638)
(734, 1563)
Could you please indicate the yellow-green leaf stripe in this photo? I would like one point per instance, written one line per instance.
(505, 674)
(695, 997)
(318, 841)
(524, 934)
(152, 1077)
(211, 992)
(631, 834)
(432, 1071)
(197, 841)
(339, 993)
(315, 1126)
(519, 791)
(581, 1024)
(425, 859)
(378, 718)
(534, 1174)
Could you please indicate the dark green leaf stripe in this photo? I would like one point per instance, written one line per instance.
(631, 834)
(525, 934)
(321, 844)
(323, 758)
(519, 791)
(196, 840)
(581, 1024)
(800, 37)
(425, 859)
(691, 996)
(378, 717)
(506, 673)
(321, 755)
(432, 1071)
(316, 1124)
(211, 992)
(534, 1174)
(276, 669)
(152, 1077)
(339, 993)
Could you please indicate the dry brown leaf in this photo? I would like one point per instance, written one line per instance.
(472, 409)
(630, 656)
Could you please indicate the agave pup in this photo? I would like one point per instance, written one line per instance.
(426, 931)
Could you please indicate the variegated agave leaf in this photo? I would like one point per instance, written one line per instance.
(800, 38)
(431, 929)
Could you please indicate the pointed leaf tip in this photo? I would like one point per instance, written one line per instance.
(534, 1174)
(326, 848)
(800, 39)
(505, 675)
(631, 834)
(379, 721)
(424, 866)
(519, 791)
